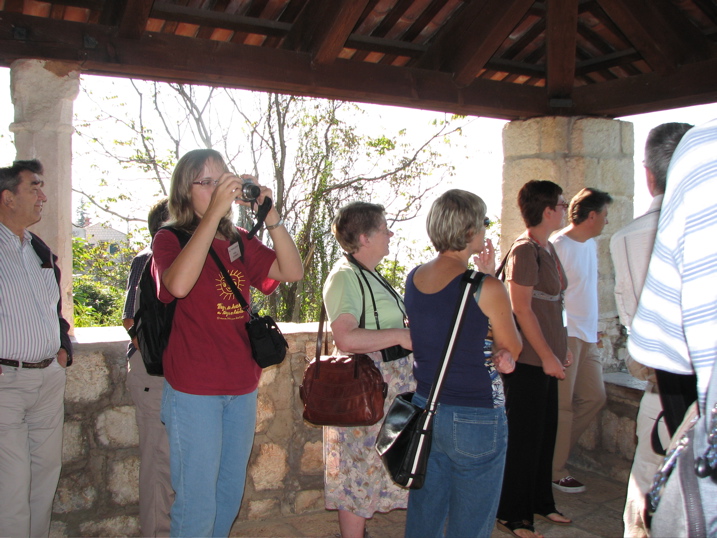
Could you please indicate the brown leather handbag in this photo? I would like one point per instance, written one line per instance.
(345, 390)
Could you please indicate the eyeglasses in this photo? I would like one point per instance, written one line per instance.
(486, 222)
(206, 182)
(564, 205)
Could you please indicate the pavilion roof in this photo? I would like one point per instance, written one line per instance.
(498, 58)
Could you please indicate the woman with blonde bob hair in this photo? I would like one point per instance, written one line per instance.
(465, 466)
(211, 379)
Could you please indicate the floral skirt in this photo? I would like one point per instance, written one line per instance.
(355, 478)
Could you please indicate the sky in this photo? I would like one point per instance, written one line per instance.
(477, 155)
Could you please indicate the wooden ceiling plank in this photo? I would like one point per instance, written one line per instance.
(178, 59)
(334, 32)
(691, 84)
(659, 31)
(560, 37)
(482, 26)
(133, 19)
(323, 27)
(200, 17)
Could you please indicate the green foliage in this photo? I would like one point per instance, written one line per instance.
(98, 285)
(96, 305)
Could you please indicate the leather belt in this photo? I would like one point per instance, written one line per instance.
(18, 364)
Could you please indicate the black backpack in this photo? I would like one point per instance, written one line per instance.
(153, 318)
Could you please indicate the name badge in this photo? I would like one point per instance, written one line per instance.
(234, 251)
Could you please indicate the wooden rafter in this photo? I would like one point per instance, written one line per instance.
(133, 20)
(663, 36)
(560, 37)
(323, 27)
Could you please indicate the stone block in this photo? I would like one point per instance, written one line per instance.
(117, 427)
(590, 438)
(270, 467)
(263, 509)
(111, 526)
(597, 137)
(521, 137)
(312, 458)
(89, 379)
(74, 442)
(621, 213)
(616, 176)
(627, 137)
(554, 134)
(57, 529)
(74, 492)
(265, 413)
(123, 482)
(268, 376)
(610, 428)
(308, 501)
(626, 439)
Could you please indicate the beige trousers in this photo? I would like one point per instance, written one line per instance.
(32, 412)
(581, 395)
(644, 465)
(155, 485)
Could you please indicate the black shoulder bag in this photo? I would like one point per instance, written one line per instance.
(268, 345)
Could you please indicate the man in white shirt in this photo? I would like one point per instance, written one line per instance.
(631, 248)
(35, 348)
(582, 393)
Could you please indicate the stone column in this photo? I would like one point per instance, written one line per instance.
(43, 93)
(574, 152)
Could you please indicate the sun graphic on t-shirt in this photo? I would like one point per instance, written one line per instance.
(223, 288)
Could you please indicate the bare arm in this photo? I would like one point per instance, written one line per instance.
(495, 303)
(350, 339)
(521, 298)
(288, 266)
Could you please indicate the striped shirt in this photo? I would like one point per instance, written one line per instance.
(29, 326)
(675, 327)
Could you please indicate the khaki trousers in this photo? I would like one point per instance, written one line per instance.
(581, 395)
(32, 413)
(644, 465)
(155, 485)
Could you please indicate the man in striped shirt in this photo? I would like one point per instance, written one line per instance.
(675, 327)
(34, 351)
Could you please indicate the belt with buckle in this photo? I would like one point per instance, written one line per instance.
(18, 364)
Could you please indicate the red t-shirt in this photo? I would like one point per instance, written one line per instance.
(208, 351)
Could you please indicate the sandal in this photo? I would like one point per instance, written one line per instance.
(510, 527)
(546, 517)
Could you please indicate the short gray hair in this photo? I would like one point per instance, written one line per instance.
(455, 217)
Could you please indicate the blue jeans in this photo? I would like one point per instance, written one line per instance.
(210, 440)
(464, 476)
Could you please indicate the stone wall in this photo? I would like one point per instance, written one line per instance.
(98, 490)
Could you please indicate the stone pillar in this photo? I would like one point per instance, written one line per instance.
(43, 93)
(574, 152)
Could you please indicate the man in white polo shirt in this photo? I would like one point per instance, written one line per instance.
(34, 351)
(582, 393)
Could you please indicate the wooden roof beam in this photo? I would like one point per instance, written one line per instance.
(170, 58)
(133, 19)
(560, 37)
(323, 27)
(659, 31)
(473, 35)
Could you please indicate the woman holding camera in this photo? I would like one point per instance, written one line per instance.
(209, 400)
(536, 282)
(465, 466)
(367, 316)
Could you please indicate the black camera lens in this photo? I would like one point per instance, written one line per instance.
(249, 191)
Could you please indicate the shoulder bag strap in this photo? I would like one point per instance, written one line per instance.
(471, 283)
(230, 282)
